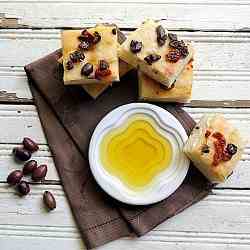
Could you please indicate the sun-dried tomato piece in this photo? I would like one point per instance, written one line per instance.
(220, 137)
(219, 148)
(173, 56)
(86, 36)
(102, 73)
(207, 134)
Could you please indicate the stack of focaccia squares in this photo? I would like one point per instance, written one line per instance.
(95, 58)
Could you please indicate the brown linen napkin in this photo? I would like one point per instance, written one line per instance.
(69, 116)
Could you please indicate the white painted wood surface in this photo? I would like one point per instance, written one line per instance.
(180, 14)
(222, 63)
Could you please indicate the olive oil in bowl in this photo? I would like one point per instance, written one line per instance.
(135, 152)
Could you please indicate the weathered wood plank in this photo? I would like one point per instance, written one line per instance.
(20, 47)
(220, 79)
(221, 219)
(196, 14)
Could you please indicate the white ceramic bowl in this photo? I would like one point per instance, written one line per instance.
(162, 185)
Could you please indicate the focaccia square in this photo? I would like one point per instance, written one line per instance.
(215, 147)
(150, 90)
(90, 55)
(157, 53)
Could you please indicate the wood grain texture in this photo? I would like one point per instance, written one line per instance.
(226, 71)
(190, 15)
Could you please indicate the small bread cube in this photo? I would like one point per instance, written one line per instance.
(90, 55)
(215, 147)
(150, 90)
(156, 52)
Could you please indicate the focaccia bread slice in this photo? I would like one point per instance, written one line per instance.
(96, 89)
(156, 52)
(150, 90)
(215, 147)
(90, 55)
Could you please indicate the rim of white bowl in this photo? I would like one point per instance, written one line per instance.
(164, 184)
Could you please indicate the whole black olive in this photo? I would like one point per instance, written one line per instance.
(23, 188)
(49, 200)
(14, 177)
(39, 173)
(29, 167)
(30, 145)
(21, 154)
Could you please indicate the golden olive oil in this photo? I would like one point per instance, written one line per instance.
(135, 152)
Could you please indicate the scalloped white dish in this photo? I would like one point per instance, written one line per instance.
(164, 183)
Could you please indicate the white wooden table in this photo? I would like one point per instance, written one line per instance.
(221, 30)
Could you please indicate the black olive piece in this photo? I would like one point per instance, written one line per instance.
(97, 37)
(84, 45)
(152, 58)
(103, 65)
(87, 69)
(69, 65)
(86, 36)
(161, 35)
(231, 149)
(205, 149)
(135, 46)
(174, 44)
(184, 51)
(114, 31)
(172, 36)
(76, 56)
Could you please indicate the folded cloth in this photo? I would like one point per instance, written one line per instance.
(69, 116)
